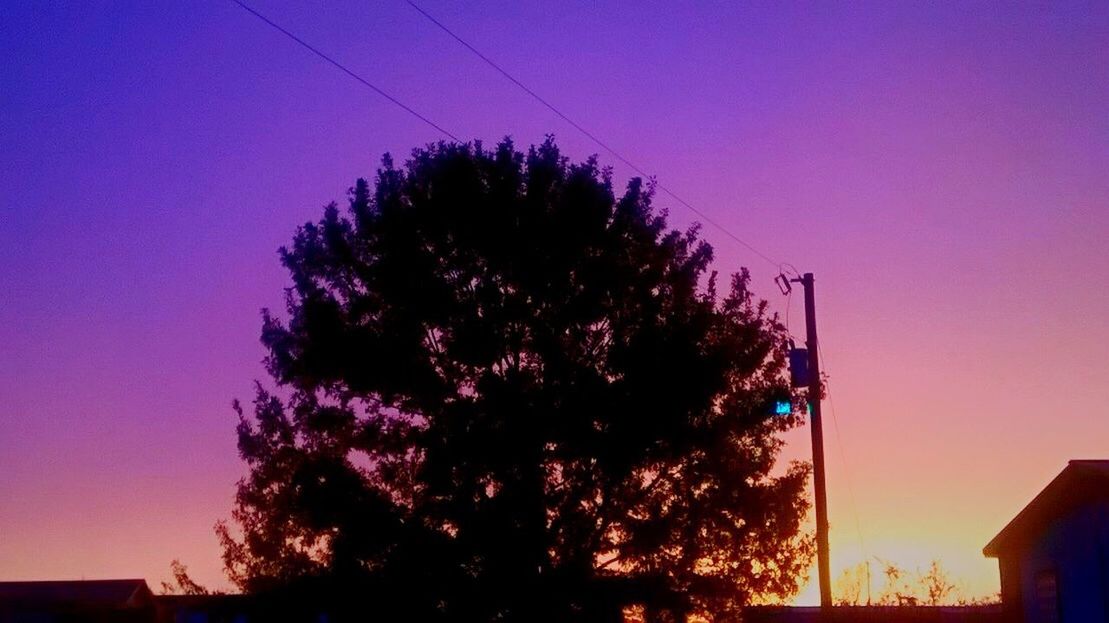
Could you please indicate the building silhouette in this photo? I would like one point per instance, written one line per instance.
(1054, 555)
(92, 601)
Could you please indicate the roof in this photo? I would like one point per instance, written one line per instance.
(1080, 481)
(96, 593)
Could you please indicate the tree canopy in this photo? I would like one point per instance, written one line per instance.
(503, 392)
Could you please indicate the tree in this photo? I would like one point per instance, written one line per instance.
(183, 584)
(506, 394)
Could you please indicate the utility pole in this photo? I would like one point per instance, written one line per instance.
(819, 490)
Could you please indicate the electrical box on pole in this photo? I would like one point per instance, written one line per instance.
(798, 367)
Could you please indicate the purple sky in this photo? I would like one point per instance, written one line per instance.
(943, 169)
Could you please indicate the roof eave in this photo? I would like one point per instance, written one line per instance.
(1075, 469)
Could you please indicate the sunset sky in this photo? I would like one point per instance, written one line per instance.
(942, 168)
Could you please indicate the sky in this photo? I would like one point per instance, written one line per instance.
(940, 167)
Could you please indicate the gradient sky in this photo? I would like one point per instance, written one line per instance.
(942, 168)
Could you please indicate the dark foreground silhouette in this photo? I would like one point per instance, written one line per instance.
(130, 601)
(504, 393)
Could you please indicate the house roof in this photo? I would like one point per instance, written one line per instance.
(1080, 481)
(95, 593)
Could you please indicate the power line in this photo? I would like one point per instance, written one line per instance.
(519, 84)
(344, 69)
(590, 135)
(846, 467)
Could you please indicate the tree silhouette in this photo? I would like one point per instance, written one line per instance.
(506, 394)
(182, 583)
